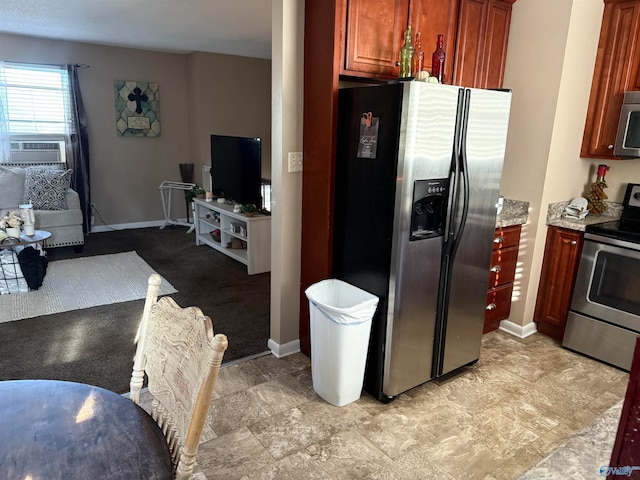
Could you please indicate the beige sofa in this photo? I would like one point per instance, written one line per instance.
(56, 206)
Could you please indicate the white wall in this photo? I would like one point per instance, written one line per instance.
(549, 66)
(287, 103)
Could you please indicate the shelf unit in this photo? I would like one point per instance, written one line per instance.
(253, 232)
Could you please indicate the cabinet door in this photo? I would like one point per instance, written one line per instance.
(616, 70)
(430, 18)
(481, 48)
(504, 259)
(374, 34)
(557, 279)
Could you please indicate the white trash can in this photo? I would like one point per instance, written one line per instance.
(340, 326)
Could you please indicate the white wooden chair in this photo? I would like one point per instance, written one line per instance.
(181, 357)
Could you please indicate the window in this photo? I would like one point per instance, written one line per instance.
(38, 110)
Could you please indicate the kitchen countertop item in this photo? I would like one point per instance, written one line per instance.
(514, 212)
(555, 218)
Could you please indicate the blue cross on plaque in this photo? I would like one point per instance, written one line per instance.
(138, 97)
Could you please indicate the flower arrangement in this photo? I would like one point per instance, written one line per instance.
(249, 209)
(11, 220)
(195, 191)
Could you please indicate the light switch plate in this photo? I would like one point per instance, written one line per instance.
(295, 161)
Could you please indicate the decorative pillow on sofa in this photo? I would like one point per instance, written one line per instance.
(46, 189)
(11, 187)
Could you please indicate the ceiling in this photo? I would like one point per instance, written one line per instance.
(232, 27)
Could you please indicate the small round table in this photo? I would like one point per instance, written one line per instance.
(66, 430)
(11, 280)
(38, 237)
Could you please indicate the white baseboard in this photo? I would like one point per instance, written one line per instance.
(520, 331)
(284, 350)
(128, 226)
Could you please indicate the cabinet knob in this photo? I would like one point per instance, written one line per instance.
(573, 242)
(610, 147)
(498, 240)
(496, 268)
(491, 306)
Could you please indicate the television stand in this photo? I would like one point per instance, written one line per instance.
(236, 230)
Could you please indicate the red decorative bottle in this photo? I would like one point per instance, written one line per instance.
(437, 61)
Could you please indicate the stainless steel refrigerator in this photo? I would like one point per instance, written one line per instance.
(418, 170)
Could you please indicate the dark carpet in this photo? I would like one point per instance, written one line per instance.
(96, 345)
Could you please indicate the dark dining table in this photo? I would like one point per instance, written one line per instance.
(65, 430)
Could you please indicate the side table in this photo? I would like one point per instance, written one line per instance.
(11, 278)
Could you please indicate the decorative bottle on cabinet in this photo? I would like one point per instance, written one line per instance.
(418, 59)
(596, 195)
(406, 55)
(437, 61)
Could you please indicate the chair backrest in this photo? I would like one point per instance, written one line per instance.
(181, 357)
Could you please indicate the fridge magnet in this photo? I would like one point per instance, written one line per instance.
(137, 108)
(368, 136)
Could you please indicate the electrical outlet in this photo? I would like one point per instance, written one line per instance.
(295, 161)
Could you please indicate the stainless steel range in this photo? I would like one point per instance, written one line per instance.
(604, 319)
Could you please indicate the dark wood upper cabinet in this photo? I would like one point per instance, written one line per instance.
(616, 71)
(431, 18)
(475, 34)
(374, 33)
(481, 47)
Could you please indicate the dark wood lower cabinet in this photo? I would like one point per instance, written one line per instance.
(506, 242)
(559, 269)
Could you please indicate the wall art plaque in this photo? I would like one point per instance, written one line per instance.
(137, 108)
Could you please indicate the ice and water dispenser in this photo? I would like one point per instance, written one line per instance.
(429, 212)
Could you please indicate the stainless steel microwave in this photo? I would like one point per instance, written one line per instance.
(628, 137)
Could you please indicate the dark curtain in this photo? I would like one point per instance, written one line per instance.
(79, 158)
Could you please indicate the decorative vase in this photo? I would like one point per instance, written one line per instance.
(437, 60)
(13, 232)
(186, 172)
(406, 55)
(29, 229)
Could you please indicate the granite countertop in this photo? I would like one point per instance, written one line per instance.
(514, 212)
(555, 218)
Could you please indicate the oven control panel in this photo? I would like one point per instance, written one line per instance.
(631, 206)
(634, 197)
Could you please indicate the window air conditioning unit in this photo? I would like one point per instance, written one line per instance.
(37, 152)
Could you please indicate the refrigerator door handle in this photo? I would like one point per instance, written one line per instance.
(460, 180)
(449, 241)
(454, 174)
(463, 176)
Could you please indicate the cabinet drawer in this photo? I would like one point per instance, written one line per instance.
(506, 237)
(503, 266)
(498, 303)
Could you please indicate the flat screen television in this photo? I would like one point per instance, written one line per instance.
(236, 170)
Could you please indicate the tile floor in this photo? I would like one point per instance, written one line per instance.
(494, 421)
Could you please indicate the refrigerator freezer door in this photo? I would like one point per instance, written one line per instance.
(365, 188)
(426, 141)
(486, 138)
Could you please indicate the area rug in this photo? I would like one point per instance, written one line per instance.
(82, 283)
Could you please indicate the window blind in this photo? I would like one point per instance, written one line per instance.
(38, 99)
